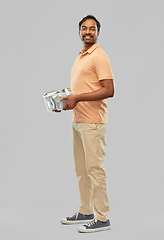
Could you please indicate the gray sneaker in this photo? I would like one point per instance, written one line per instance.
(95, 226)
(77, 218)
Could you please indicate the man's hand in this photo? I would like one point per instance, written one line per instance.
(71, 102)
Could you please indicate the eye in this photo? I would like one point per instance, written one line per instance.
(93, 29)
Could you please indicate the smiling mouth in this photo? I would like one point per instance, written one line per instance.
(87, 37)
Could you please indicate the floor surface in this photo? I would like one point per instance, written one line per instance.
(41, 221)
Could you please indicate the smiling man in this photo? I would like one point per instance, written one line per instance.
(92, 81)
(89, 33)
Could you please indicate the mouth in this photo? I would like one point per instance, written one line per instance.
(87, 37)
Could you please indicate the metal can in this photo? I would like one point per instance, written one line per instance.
(49, 100)
(53, 99)
(67, 91)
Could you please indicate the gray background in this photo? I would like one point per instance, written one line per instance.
(38, 45)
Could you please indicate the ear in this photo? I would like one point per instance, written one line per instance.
(79, 33)
(98, 33)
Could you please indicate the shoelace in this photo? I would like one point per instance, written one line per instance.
(92, 223)
(74, 215)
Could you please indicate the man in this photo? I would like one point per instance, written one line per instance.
(92, 81)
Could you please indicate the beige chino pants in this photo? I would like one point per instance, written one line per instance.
(89, 151)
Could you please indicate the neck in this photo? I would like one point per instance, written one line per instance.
(87, 46)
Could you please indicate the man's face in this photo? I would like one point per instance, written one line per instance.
(89, 32)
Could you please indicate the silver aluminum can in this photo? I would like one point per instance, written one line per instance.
(67, 91)
(49, 100)
(53, 99)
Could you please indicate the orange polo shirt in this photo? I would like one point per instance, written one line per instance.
(89, 68)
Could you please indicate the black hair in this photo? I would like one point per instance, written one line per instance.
(90, 17)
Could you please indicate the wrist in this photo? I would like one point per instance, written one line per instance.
(78, 98)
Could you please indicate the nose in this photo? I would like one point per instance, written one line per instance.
(87, 31)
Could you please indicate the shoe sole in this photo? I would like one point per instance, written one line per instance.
(65, 221)
(84, 230)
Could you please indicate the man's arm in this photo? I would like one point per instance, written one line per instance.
(106, 91)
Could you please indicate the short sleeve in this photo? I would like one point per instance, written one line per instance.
(103, 66)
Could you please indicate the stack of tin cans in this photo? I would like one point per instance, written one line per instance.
(53, 99)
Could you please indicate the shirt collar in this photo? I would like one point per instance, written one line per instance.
(90, 50)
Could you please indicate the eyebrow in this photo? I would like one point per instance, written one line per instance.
(89, 26)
